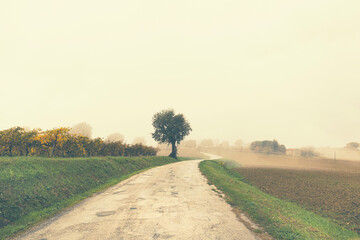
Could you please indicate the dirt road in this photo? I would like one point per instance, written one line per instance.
(167, 202)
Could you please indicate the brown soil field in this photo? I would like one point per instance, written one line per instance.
(333, 194)
(325, 186)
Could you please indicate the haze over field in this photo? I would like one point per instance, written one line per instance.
(237, 69)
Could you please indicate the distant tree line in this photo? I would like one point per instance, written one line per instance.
(268, 147)
(352, 146)
(61, 142)
(308, 152)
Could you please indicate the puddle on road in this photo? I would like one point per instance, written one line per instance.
(162, 236)
(105, 213)
(119, 192)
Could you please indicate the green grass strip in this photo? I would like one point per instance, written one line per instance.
(33, 189)
(36, 216)
(281, 219)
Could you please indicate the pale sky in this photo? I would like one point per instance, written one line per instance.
(237, 69)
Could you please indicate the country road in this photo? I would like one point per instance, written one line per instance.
(167, 202)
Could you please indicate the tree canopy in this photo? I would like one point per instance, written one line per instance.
(170, 128)
(352, 145)
(268, 147)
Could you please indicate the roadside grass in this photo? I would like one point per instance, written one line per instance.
(35, 188)
(280, 218)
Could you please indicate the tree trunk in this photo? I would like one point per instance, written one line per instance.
(173, 150)
(54, 146)
(10, 150)
(52, 149)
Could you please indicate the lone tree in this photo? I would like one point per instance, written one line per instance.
(352, 145)
(170, 129)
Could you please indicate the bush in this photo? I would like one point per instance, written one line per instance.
(60, 142)
(267, 147)
(308, 152)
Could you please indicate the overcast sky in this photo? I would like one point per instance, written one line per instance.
(237, 69)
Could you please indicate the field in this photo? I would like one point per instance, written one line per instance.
(289, 162)
(332, 194)
(325, 186)
(280, 218)
(33, 188)
(329, 188)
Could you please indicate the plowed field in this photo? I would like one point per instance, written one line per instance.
(333, 194)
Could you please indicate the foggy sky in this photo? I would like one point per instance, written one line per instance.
(249, 70)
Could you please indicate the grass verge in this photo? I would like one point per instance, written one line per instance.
(34, 188)
(280, 218)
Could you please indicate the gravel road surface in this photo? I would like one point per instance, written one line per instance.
(167, 202)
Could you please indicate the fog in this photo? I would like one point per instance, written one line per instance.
(82, 129)
(339, 153)
(139, 140)
(250, 159)
(249, 70)
(115, 137)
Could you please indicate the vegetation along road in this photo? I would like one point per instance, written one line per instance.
(168, 202)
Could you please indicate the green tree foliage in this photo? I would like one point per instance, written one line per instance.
(28, 140)
(170, 128)
(11, 140)
(60, 142)
(268, 147)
